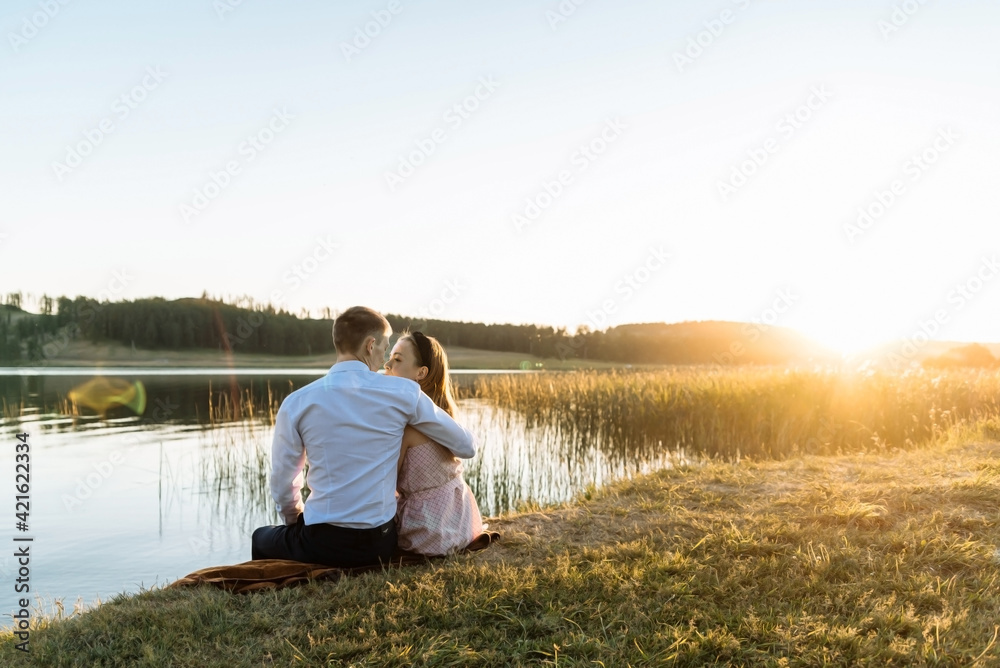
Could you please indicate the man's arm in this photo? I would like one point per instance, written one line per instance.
(438, 425)
(288, 456)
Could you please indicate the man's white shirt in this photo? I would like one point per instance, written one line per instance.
(350, 426)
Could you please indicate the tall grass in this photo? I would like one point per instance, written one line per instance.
(747, 412)
(236, 404)
(546, 437)
(235, 462)
(519, 467)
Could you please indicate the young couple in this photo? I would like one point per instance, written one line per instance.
(364, 434)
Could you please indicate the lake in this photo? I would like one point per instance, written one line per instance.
(125, 502)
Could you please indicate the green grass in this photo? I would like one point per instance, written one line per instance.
(879, 558)
(86, 353)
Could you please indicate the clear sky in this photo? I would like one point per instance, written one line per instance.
(587, 162)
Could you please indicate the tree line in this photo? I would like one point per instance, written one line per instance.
(204, 323)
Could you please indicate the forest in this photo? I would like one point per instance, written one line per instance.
(204, 323)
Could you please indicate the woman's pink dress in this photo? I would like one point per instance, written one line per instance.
(436, 511)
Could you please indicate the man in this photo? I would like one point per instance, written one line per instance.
(349, 425)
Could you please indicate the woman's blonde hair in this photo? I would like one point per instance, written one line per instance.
(437, 383)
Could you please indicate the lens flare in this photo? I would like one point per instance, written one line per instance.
(102, 393)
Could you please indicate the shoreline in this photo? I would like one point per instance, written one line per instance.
(90, 355)
(885, 557)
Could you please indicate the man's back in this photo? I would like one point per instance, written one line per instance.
(349, 424)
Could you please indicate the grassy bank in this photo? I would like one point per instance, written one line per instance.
(85, 353)
(874, 558)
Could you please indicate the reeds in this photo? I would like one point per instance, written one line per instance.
(234, 470)
(747, 412)
(521, 466)
(546, 437)
(235, 462)
(237, 404)
(12, 411)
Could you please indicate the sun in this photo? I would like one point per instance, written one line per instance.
(847, 339)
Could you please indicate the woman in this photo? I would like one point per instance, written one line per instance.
(437, 513)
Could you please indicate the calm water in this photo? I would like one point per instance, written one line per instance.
(126, 502)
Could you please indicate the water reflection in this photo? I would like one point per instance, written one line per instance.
(523, 463)
(126, 501)
(169, 398)
(224, 427)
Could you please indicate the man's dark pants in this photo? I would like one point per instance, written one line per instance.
(325, 544)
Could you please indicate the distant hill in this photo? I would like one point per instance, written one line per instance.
(969, 355)
(933, 354)
(714, 342)
(936, 348)
(12, 312)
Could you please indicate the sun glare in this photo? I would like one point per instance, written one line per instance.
(847, 341)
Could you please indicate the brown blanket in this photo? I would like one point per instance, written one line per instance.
(279, 573)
